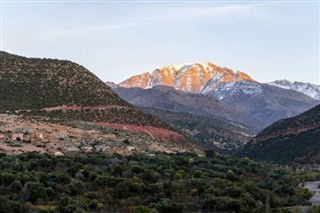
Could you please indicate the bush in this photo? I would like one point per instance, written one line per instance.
(35, 191)
(93, 204)
(167, 207)
(16, 185)
(197, 174)
(141, 209)
(305, 193)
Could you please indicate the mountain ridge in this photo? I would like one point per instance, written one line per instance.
(309, 89)
(197, 77)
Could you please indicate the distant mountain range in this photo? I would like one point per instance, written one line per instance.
(266, 103)
(311, 90)
(168, 98)
(295, 139)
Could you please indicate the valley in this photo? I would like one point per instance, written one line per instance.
(201, 142)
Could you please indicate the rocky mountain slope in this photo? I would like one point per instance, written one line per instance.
(311, 90)
(171, 99)
(264, 102)
(64, 90)
(295, 139)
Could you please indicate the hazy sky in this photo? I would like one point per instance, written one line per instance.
(115, 40)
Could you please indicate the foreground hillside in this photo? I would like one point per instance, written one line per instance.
(62, 88)
(59, 91)
(144, 183)
(33, 83)
(24, 134)
(294, 139)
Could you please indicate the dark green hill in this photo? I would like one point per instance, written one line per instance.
(29, 85)
(32, 83)
(295, 139)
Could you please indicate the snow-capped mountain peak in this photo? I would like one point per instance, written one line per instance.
(197, 77)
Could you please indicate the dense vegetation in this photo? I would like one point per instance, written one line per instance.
(144, 183)
(293, 139)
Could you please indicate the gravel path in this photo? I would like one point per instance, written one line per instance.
(314, 187)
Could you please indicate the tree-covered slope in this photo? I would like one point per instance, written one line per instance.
(292, 139)
(33, 83)
(62, 89)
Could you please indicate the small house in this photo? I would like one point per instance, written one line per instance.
(57, 153)
(87, 148)
(130, 148)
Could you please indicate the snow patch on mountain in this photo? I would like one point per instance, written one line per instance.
(225, 90)
(311, 90)
(212, 84)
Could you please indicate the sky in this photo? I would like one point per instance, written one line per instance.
(268, 40)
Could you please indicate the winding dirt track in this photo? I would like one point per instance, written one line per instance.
(154, 132)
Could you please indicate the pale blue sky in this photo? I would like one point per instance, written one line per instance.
(269, 40)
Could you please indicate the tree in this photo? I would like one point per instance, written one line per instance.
(141, 209)
(305, 193)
